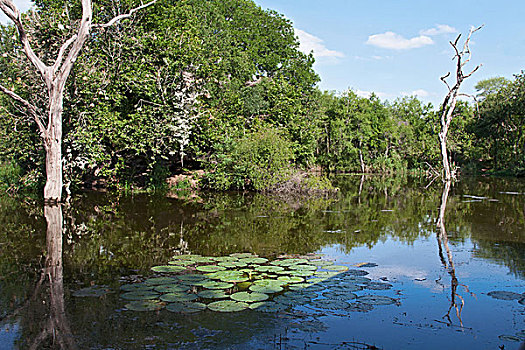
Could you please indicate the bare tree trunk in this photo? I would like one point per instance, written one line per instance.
(55, 77)
(449, 104)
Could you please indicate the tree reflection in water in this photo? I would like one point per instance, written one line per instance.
(456, 301)
(54, 331)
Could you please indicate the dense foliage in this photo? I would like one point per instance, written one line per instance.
(222, 86)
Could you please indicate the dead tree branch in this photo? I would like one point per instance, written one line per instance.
(123, 16)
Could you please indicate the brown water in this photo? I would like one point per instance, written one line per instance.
(440, 276)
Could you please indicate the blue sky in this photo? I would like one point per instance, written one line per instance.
(399, 47)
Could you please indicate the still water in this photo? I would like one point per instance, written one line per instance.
(436, 267)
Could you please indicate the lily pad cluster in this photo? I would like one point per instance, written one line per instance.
(193, 283)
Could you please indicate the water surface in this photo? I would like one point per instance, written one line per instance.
(440, 275)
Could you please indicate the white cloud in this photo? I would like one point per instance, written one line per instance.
(418, 92)
(439, 29)
(391, 40)
(309, 43)
(367, 94)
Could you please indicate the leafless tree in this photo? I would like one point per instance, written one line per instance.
(49, 119)
(462, 57)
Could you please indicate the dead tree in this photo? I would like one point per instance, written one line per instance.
(449, 104)
(49, 122)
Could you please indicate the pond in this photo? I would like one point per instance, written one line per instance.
(388, 263)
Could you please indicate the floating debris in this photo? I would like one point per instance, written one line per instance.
(503, 295)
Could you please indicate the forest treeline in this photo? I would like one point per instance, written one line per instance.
(222, 86)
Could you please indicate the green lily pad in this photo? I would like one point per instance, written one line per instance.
(243, 285)
(266, 289)
(171, 288)
(94, 291)
(336, 268)
(291, 279)
(228, 306)
(155, 281)
(190, 278)
(307, 286)
(186, 256)
(210, 268)
(330, 304)
(228, 276)
(289, 262)
(140, 295)
(224, 258)
(186, 307)
(144, 305)
(232, 264)
(269, 268)
(301, 273)
(135, 287)
(376, 300)
(168, 268)
(212, 294)
(327, 274)
(217, 285)
(503, 295)
(248, 297)
(268, 306)
(178, 297)
(180, 262)
(202, 259)
(321, 263)
(243, 255)
(254, 260)
(303, 267)
(357, 280)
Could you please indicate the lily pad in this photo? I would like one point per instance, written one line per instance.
(308, 286)
(266, 289)
(378, 286)
(243, 255)
(336, 268)
(503, 295)
(224, 258)
(339, 295)
(289, 262)
(144, 305)
(330, 304)
(232, 264)
(228, 276)
(321, 263)
(249, 297)
(217, 285)
(254, 260)
(155, 281)
(171, 288)
(357, 280)
(190, 278)
(291, 279)
(376, 300)
(181, 262)
(293, 299)
(178, 297)
(140, 295)
(168, 268)
(212, 294)
(303, 267)
(359, 307)
(269, 268)
(186, 308)
(228, 306)
(301, 273)
(346, 287)
(268, 306)
(210, 268)
(326, 273)
(355, 272)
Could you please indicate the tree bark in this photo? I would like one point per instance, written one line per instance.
(55, 77)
